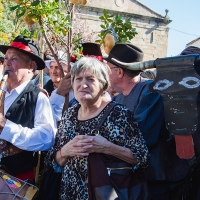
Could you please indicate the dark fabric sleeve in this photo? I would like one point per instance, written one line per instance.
(49, 87)
(149, 113)
(122, 129)
(134, 139)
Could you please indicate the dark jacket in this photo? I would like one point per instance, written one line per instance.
(49, 87)
(148, 110)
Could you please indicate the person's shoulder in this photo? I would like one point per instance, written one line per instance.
(144, 86)
(116, 97)
(145, 81)
(73, 102)
(70, 111)
(121, 112)
(120, 107)
(74, 108)
(49, 83)
(31, 87)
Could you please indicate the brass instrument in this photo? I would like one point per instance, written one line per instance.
(2, 92)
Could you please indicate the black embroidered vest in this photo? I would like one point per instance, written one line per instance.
(22, 112)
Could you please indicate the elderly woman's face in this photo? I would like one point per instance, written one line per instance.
(55, 72)
(86, 86)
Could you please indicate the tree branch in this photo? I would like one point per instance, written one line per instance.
(50, 47)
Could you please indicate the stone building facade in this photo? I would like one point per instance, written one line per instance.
(151, 26)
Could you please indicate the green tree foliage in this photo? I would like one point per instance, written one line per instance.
(53, 19)
(122, 30)
(9, 24)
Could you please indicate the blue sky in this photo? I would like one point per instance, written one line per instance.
(185, 25)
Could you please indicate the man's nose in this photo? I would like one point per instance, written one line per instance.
(54, 71)
(84, 85)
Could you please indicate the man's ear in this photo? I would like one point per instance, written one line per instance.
(33, 65)
(120, 72)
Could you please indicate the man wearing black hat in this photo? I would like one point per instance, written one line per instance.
(27, 124)
(148, 110)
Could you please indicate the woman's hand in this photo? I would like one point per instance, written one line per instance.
(82, 145)
(77, 147)
(97, 144)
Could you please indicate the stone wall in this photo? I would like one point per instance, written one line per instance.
(152, 29)
(152, 38)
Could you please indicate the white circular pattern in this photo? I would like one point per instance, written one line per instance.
(187, 79)
(166, 85)
(119, 3)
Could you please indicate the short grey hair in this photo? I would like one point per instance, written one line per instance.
(99, 69)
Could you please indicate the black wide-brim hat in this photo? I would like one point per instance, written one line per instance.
(92, 50)
(27, 46)
(125, 53)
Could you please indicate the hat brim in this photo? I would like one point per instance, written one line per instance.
(39, 61)
(109, 59)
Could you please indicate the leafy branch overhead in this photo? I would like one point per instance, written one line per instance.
(53, 19)
(115, 30)
(51, 13)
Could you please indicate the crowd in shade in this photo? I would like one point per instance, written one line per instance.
(101, 131)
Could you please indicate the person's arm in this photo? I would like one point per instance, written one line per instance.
(72, 149)
(81, 144)
(149, 113)
(39, 138)
(122, 153)
(57, 102)
(60, 97)
(127, 143)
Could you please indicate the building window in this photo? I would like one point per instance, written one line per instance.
(151, 37)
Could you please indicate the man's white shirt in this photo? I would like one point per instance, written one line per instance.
(39, 138)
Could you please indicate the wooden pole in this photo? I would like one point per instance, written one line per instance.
(41, 44)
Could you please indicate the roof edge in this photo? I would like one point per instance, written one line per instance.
(156, 19)
(193, 41)
(150, 9)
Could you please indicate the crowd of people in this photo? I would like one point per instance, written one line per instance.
(99, 127)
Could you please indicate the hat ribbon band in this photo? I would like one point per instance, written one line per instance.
(100, 58)
(21, 46)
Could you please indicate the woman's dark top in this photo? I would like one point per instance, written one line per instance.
(119, 128)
